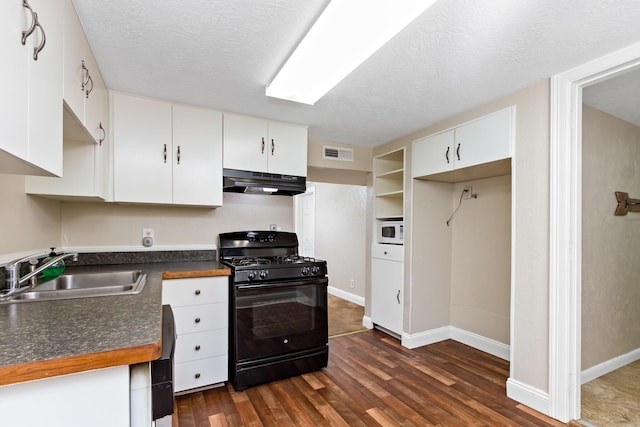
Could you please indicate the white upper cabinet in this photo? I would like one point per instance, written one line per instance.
(484, 143)
(84, 90)
(165, 153)
(86, 148)
(30, 107)
(433, 154)
(485, 140)
(263, 146)
(197, 145)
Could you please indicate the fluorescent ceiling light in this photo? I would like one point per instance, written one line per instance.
(343, 37)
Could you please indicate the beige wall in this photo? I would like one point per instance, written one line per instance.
(107, 224)
(28, 224)
(31, 223)
(481, 259)
(357, 172)
(341, 234)
(530, 216)
(610, 244)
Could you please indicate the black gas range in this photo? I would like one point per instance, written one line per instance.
(278, 307)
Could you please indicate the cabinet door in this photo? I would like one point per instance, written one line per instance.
(75, 45)
(433, 154)
(197, 156)
(142, 152)
(245, 143)
(45, 88)
(96, 111)
(287, 149)
(14, 83)
(386, 294)
(485, 140)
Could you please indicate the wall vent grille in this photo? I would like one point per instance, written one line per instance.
(335, 153)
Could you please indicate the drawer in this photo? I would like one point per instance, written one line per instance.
(200, 290)
(390, 252)
(199, 318)
(200, 373)
(201, 345)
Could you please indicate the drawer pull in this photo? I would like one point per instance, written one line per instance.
(197, 347)
(197, 291)
(197, 320)
(197, 375)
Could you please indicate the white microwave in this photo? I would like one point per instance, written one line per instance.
(391, 232)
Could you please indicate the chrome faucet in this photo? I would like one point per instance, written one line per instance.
(13, 281)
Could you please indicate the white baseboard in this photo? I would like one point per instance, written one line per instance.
(367, 322)
(527, 395)
(426, 337)
(485, 344)
(346, 295)
(609, 366)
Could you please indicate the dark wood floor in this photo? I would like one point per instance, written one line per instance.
(372, 380)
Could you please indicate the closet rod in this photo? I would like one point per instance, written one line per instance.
(626, 204)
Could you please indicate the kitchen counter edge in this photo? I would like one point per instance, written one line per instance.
(142, 349)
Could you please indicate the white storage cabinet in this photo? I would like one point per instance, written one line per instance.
(166, 153)
(200, 308)
(260, 145)
(85, 93)
(487, 139)
(30, 107)
(387, 283)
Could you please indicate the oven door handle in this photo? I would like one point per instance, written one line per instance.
(288, 283)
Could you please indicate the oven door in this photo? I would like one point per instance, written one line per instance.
(279, 318)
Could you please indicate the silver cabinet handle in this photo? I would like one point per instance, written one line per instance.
(86, 80)
(273, 146)
(164, 153)
(262, 145)
(398, 296)
(197, 347)
(458, 152)
(28, 31)
(197, 291)
(197, 375)
(38, 49)
(197, 320)
(446, 155)
(178, 154)
(104, 134)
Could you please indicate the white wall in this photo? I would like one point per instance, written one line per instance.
(341, 234)
(610, 244)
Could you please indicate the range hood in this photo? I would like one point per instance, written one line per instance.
(239, 181)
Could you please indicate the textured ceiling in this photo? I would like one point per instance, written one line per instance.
(457, 55)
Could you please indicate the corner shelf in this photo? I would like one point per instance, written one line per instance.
(388, 185)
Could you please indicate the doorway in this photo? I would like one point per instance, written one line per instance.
(565, 302)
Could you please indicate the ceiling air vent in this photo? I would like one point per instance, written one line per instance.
(335, 153)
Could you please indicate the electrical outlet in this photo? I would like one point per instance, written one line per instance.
(468, 193)
(147, 232)
(352, 283)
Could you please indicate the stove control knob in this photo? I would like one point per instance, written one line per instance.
(263, 274)
(315, 269)
(305, 270)
(251, 275)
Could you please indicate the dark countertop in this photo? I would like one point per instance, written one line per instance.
(39, 339)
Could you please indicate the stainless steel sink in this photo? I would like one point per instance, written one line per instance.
(82, 285)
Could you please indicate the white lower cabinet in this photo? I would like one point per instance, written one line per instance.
(201, 312)
(97, 398)
(387, 282)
